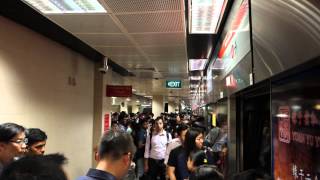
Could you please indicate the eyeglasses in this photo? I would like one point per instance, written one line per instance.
(20, 141)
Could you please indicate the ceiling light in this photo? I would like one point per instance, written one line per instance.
(197, 64)
(193, 85)
(195, 78)
(66, 6)
(205, 16)
(282, 115)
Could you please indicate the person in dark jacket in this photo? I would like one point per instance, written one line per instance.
(116, 150)
(36, 167)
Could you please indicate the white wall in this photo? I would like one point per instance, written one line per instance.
(157, 105)
(34, 92)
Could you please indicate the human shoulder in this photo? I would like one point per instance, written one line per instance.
(85, 178)
(178, 150)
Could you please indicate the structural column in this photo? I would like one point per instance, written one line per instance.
(157, 105)
(102, 104)
(171, 107)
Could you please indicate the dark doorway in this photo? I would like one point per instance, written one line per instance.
(253, 128)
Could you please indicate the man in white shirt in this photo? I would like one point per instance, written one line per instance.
(155, 149)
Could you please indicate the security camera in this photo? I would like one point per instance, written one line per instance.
(105, 67)
(103, 70)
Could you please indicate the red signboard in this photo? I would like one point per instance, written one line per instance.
(106, 123)
(119, 91)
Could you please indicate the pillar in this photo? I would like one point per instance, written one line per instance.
(157, 105)
(171, 107)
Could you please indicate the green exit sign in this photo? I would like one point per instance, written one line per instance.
(173, 84)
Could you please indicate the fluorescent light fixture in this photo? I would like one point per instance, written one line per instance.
(66, 6)
(128, 99)
(197, 64)
(148, 97)
(296, 107)
(145, 105)
(205, 16)
(193, 86)
(113, 100)
(195, 78)
(282, 115)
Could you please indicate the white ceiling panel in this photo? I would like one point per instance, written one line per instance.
(105, 39)
(133, 58)
(130, 62)
(86, 23)
(165, 58)
(117, 51)
(176, 75)
(159, 39)
(165, 50)
(147, 37)
(152, 22)
(120, 6)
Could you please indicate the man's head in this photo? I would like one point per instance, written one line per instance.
(36, 141)
(48, 167)
(158, 124)
(144, 124)
(116, 148)
(12, 142)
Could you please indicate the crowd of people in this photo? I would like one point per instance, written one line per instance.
(171, 146)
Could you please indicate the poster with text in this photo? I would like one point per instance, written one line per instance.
(296, 126)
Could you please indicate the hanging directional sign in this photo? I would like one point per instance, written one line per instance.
(173, 84)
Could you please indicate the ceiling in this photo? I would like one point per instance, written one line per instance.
(146, 37)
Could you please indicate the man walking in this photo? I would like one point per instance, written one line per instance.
(116, 150)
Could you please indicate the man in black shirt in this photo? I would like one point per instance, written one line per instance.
(116, 150)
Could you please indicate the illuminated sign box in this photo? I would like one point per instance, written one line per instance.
(173, 84)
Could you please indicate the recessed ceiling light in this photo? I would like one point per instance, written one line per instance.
(197, 64)
(205, 15)
(195, 78)
(66, 6)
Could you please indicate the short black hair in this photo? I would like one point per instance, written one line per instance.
(35, 135)
(114, 144)
(9, 131)
(207, 172)
(181, 127)
(47, 167)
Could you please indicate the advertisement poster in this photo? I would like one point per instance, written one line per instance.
(296, 127)
(106, 122)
